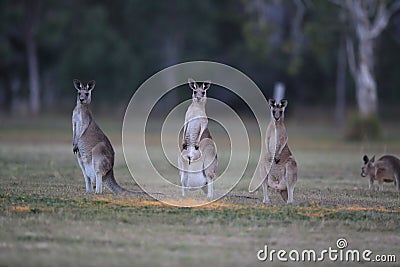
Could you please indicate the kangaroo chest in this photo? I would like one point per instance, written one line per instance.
(276, 135)
(88, 135)
(195, 119)
(193, 130)
(81, 121)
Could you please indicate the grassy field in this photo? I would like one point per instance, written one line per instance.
(47, 219)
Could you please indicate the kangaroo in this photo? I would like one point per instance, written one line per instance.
(94, 151)
(278, 168)
(198, 159)
(385, 169)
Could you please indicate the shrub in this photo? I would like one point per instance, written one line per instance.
(361, 128)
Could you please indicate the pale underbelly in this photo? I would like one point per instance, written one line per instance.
(196, 180)
(88, 166)
(277, 178)
(194, 173)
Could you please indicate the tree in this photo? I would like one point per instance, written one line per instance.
(31, 28)
(368, 18)
(274, 38)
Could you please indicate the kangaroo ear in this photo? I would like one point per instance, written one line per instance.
(373, 159)
(91, 84)
(78, 84)
(284, 103)
(192, 84)
(366, 159)
(271, 102)
(206, 85)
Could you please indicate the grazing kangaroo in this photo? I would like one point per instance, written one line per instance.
(198, 159)
(94, 151)
(278, 168)
(386, 169)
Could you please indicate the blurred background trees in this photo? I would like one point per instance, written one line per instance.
(367, 19)
(308, 45)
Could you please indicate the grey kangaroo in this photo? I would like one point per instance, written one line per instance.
(385, 169)
(278, 168)
(198, 161)
(94, 151)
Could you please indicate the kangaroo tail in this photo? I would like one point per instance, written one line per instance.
(110, 182)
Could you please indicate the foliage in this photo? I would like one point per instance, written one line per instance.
(122, 43)
(361, 128)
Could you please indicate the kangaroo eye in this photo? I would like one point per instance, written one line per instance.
(196, 147)
(87, 94)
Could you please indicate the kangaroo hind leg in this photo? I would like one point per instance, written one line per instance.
(102, 163)
(88, 179)
(264, 179)
(291, 173)
(184, 176)
(210, 175)
(210, 164)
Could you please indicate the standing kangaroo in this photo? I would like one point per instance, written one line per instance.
(385, 169)
(198, 159)
(94, 151)
(278, 168)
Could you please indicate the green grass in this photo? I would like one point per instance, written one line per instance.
(47, 219)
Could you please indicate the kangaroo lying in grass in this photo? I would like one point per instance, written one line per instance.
(386, 169)
(278, 168)
(198, 159)
(94, 151)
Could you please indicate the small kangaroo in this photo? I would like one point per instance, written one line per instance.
(198, 159)
(386, 169)
(278, 168)
(94, 151)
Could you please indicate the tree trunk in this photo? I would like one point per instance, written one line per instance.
(171, 52)
(34, 89)
(15, 95)
(341, 84)
(367, 98)
(31, 24)
(369, 18)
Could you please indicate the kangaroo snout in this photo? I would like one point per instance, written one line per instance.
(276, 114)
